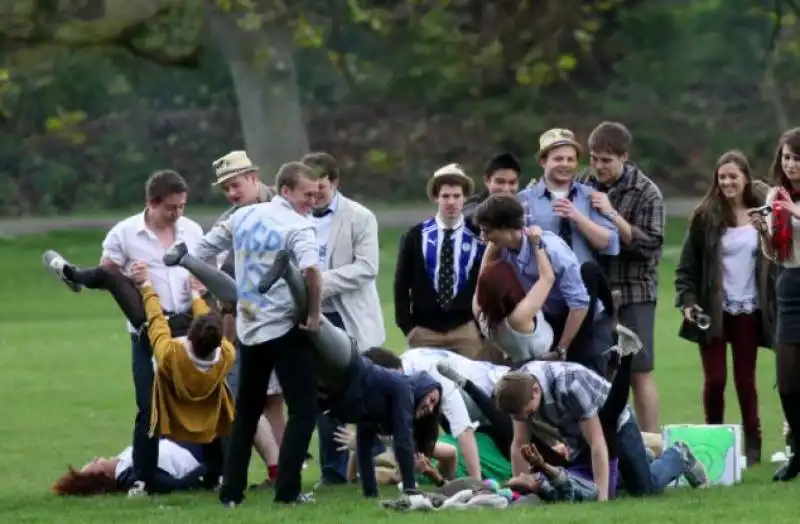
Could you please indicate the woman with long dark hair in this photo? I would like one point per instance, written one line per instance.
(780, 231)
(722, 274)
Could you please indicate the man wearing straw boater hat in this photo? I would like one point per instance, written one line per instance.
(239, 179)
(559, 204)
(437, 271)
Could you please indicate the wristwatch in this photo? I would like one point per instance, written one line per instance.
(562, 351)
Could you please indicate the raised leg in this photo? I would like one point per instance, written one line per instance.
(333, 348)
(218, 283)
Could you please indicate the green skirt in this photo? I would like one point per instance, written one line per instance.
(493, 464)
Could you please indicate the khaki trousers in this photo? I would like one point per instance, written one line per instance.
(465, 340)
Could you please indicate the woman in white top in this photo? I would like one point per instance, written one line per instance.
(178, 470)
(721, 273)
(781, 233)
(508, 316)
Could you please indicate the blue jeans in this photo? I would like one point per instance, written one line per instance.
(640, 476)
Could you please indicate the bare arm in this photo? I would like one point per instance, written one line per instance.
(575, 319)
(521, 319)
(593, 434)
(522, 436)
(469, 450)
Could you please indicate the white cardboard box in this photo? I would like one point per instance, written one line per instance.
(718, 447)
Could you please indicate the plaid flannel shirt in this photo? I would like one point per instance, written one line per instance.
(571, 394)
(637, 199)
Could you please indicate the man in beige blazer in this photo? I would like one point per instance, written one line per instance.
(347, 233)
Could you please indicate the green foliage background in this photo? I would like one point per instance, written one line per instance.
(394, 89)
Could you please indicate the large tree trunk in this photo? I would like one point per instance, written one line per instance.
(261, 62)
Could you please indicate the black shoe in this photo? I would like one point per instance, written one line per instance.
(264, 485)
(56, 263)
(788, 471)
(175, 254)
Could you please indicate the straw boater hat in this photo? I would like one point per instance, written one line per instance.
(233, 164)
(556, 138)
(452, 173)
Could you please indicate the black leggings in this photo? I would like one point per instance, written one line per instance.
(501, 427)
(125, 294)
(122, 288)
(615, 403)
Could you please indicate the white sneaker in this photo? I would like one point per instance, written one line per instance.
(628, 342)
(138, 490)
(55, 263)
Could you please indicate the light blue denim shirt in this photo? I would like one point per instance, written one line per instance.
(539, 212)
(568, 291)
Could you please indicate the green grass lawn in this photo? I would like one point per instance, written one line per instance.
(68, 397)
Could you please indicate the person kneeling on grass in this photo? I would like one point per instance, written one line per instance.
(572, 398)
(191, 400)
(384, 402)
(178, 470)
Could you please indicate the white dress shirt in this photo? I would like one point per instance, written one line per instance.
(131, 240)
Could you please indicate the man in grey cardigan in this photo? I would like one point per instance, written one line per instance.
(239, 180)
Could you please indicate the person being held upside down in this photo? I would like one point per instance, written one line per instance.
(191, 400)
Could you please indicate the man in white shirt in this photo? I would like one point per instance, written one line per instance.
(146, 236)
(347, 233)
(266, 326)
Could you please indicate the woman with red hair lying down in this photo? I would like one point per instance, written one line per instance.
(178, 470)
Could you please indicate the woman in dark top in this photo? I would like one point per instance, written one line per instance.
(723, 274)
(781, 234)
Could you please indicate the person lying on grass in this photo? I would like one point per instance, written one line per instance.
(178, 470)
(580, 404)
(550, 483)
(126, 294)
(191, 400)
